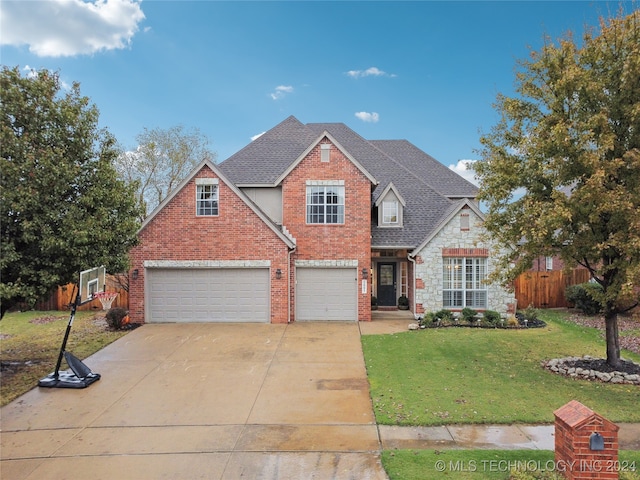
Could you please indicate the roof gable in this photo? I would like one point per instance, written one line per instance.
(390, 187)
(328, 136)
(193, 174)
(264, 160)
(446, 218)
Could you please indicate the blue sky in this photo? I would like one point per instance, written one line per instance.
(424, 71)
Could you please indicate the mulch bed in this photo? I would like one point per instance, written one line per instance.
(600, 365)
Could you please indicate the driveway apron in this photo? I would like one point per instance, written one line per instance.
(214, 401)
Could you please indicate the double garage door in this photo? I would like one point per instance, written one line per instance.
(207, 295)
(243, 294)
(326, 294)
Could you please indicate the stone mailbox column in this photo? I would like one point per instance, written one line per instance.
(586, 444)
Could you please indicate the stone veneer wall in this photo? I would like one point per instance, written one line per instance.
(429, 265)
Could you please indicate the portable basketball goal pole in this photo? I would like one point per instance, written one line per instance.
(92, 285)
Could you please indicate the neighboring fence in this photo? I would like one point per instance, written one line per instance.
(62, 297)
(547, 289)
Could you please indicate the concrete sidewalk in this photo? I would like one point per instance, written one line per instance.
(228, 401)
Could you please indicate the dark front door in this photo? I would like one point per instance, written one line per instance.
(386, 284)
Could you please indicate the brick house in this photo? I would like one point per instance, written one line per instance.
(307, 222)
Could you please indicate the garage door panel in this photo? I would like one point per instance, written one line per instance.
(208, 295)
(326, 294)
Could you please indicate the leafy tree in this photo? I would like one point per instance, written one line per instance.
(63, 207)
(161, 161)
(560, 172)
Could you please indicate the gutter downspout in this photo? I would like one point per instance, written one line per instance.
(412, 260)
(289, 285)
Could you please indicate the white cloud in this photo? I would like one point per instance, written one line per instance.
(372, 117)
(369, 72)
(257, 136)
(464, 168)
(281, 91)
(63, 28)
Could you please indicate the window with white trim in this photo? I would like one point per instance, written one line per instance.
(549, 263)
(325, 203)
(390, 212)
(463, 282)
(207, 197)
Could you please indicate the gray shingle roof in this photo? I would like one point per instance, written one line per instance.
(423, 182)
(267, 157)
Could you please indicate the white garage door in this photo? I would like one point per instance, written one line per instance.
(208, 295)
(326, 294)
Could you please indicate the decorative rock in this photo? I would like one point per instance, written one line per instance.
(564, 366)
(414, 326)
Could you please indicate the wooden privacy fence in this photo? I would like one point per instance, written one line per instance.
(547, 289)
(62, 297)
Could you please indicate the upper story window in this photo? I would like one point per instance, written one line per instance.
(325, 152)
(549, 263)
(325, 202)
(390, 207)
(206, 196)
(390, 212)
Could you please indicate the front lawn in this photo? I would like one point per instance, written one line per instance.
(31, 343)
(492, 464)
(466, 375)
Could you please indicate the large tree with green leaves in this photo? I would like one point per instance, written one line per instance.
(560, 172)
(162, 159)
(64, 208)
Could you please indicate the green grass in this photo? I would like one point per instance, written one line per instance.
(31, 343)
(487, 464)
(467, 375)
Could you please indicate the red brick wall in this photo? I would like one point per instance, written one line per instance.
(574, 425)
(348, 241)
(237, 233)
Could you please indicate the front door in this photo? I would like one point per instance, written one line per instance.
(386, 284)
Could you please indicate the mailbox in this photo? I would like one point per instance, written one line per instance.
(596, 441)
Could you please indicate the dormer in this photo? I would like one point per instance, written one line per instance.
(390, 205)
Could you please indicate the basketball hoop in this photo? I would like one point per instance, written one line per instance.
(106, 298)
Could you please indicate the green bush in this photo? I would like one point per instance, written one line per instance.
(428, 319)
(491, 317)
(469, 314)
(530, 313)
(582, 297)
(444, 315)
(115, 316)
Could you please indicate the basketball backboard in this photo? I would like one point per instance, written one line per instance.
(91, 281)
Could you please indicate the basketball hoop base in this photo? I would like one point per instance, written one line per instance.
(68, 379)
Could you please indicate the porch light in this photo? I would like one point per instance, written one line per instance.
(278, 274)
(134, 275)
(364, 273)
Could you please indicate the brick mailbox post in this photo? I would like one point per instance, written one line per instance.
(586, 444)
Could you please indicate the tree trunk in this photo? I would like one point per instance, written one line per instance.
(613, 342)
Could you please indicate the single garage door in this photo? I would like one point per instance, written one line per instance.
(208, 295)
(326, 293)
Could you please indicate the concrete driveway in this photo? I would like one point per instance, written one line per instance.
(214, 401)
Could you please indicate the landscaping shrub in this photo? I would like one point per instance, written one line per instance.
(115, 317)
(491, 317)
(428, 318)
(530, 314)
(469, 314)
(582, 297)
(444, 315)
